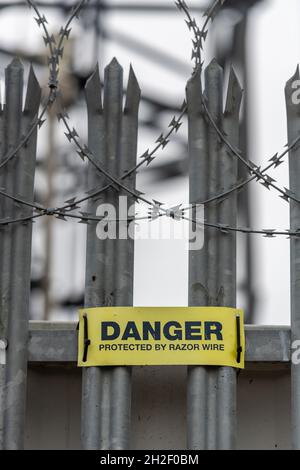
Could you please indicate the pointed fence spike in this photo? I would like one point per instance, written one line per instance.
(234, 94)
(93, 92)
(33, 95)
(133, 94)
(292, 93)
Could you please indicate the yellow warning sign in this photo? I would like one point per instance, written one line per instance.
(117, 336)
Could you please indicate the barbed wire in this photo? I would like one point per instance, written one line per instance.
(174, 213)
(257, 174)
(147, 157)
(56, 53)
(199, 37)
(224, 228)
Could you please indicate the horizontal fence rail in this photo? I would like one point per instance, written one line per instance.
(51, 342)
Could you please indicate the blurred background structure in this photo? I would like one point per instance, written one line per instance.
(152, 35)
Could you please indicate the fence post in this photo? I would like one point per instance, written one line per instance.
(3, 259)
(106, 399)
(121, 381)
(293, 125)
(95, 386)
(227, 214)
(18, 179)
(211, 390)
(198, 177)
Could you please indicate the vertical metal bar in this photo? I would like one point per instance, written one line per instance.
(113, 96)
(106, 402)
(48, 221)
(95, 388)
(245, 205)
(198, 294)
(121, 376)
(214, 91)
(20, 265)
(228, 207)
(211, 404)
(212, 273)
(238, 54)
(11, 117)
(3, 319)
(227, 214)
(293, 113)
(94, 291)
(125, 256)
(202, 428)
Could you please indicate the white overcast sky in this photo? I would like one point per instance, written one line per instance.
(161, 267)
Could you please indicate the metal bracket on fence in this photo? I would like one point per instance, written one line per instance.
(86, 340)
(239, 348)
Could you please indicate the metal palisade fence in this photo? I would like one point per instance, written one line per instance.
(213, 135)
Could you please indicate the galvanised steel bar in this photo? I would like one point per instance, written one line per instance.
(18, 324)
(50, 164)
(203, 282)
(11, 123)
(211, 391)
(214, 92)
(20, 263)
(95, 387)
(125, 246)
(227, 214)
(113, 136)
(113, 97)
(121, 378)
(227, 208)
(293, 119)
(198, 259)
(55, 342)
(3, 315)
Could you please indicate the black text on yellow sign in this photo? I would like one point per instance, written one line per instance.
(116, 336)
